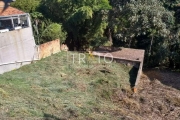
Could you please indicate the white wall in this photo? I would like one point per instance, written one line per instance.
(17, 48)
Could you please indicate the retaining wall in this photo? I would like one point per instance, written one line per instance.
(49, 48)
(133, 57)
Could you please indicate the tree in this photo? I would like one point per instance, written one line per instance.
(52, 32)
(140, 18)
(28, 6)
(44, 29)
(84, 20)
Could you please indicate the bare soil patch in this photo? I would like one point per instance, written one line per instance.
(159, 95)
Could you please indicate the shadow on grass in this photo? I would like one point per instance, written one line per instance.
(166, 77)
(133, 75)
(51, 117)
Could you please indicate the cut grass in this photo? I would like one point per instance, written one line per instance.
(57, 88)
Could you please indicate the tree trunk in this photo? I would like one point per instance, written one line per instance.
(149, 53)
(110, 36)
(151, 45)
(171, 63)
(130, 42)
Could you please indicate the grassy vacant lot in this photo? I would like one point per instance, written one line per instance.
(55, 88)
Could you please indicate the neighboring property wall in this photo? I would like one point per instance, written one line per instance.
(49, 48)
(17, 48)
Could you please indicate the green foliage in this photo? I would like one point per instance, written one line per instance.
(152, 25)
(36, 15)
(83, 19)
(149, 25)
(84, 13)
(170, 4)
(52, 32)
(99, 41)
(45, 30)
(28, 6)
(143, 17)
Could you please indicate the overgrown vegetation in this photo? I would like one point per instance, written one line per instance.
(143, 24)
(56, 88)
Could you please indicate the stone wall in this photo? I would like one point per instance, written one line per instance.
(49, 48)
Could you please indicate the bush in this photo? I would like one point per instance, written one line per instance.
(52, 32)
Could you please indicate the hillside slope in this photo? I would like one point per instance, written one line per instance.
(159, 95)
(56, 89)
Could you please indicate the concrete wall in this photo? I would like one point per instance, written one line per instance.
(17, 48)
(133, 62)
(49, 48)
(139, 72)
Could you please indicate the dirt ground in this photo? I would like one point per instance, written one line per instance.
(159, 95)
